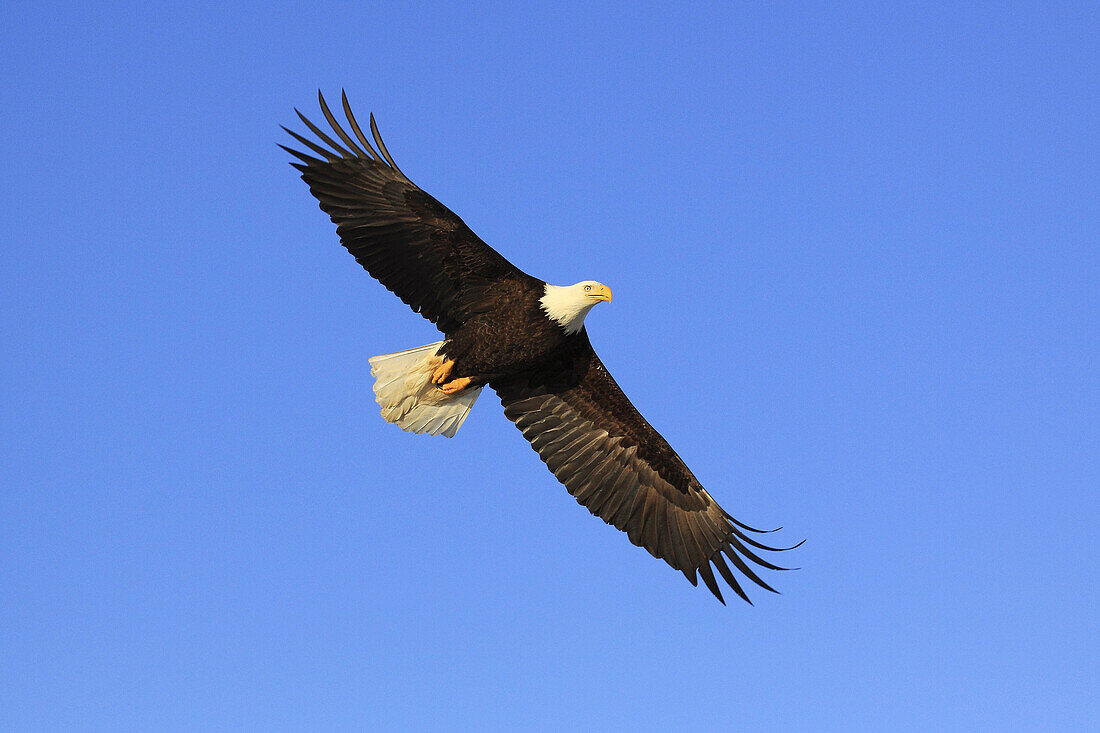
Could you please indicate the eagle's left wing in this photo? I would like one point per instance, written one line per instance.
(618, 466)
(414, 245)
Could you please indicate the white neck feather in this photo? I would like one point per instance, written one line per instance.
(566, 306)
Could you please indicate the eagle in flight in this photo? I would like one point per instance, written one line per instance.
(526, 339)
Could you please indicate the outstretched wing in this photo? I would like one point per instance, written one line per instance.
(407, 240)
(614, 463)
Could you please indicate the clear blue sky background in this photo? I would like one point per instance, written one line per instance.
(854, 249)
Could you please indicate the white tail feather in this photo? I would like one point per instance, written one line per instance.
(409, 400)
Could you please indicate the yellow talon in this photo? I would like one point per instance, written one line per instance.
(455, 385)
(439, 376)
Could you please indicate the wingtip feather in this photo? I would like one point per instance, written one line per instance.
(729, 577)
(355, 126)
(708, 578)
(336, 126)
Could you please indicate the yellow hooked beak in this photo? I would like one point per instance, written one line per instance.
(601, 293)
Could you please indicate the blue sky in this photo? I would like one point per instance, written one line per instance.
(854, 250)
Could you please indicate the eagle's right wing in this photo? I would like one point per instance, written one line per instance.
(618, 466)
(408, 241)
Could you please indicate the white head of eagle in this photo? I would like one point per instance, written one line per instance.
(567, 305)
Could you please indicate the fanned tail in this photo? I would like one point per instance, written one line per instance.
(403, 388)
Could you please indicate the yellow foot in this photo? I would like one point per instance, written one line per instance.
(455, 385)
(439, 376)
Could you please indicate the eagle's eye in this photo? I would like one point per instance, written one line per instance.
(587, 288)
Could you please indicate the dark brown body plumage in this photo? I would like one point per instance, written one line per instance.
(552, 385)
(509, 334)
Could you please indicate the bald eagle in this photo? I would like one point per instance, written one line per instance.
(525, 339)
